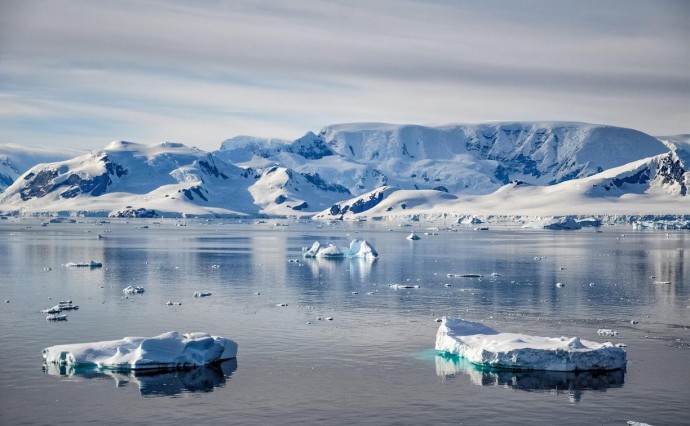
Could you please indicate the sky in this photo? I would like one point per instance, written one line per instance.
(80, 74)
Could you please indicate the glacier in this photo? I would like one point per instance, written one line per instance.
(168, 350)
(487, 347)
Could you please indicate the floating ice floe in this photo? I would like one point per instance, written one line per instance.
(67, 305)
(465, 275)
(91, 264)
(402, 286)
(413, 237)
(560, 285)
(607, 332)
(169, 350)
(54, 310)
(485, 346)
(133, 289)
(201, 294)
(358, 248)
(170, 303)
(56, 317)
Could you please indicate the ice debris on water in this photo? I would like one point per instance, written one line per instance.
(413, 237)
(634, 322)
(560, 285)
(168, 350)
(662, 282)
(133, 289)
(170, 303)
(201, 294)
(634, 423)
(281, 305)
(607, 332)
(485, 346)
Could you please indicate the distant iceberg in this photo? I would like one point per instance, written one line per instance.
(485, 346)
(555, 223)
(169, 350)
(358, 248)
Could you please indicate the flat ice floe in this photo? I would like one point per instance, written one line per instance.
(485, 346)
(358, 248)
(91, 264)
(169, 350)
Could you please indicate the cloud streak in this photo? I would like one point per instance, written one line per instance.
(204, 71)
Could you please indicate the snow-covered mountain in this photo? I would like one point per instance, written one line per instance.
(656, 185)
(169, 178)
(370, 169)
(463, 158)
(15, 160)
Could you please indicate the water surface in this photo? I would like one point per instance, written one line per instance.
(373, 363)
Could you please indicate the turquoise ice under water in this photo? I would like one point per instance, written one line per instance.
(373, 362)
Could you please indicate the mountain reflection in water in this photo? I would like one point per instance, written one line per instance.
(574, 383)
(167, 382)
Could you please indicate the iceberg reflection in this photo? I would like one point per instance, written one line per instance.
(359, 267)
(169, 382)
(574, 383)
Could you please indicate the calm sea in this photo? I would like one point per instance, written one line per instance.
(373, 362)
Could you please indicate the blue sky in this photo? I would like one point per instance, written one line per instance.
(82, 73)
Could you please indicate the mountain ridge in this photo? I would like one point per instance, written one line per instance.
(251, 176)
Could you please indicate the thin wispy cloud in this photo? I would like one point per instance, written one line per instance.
(79, 73)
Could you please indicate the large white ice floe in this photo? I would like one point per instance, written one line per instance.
(485, 346)
(358, 248)
(169, 350)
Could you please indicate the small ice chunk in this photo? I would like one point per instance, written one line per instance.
(281, 305)
(560, 285)
(402, 286)
(446, 284)
(169, 350)
(413, 237)
(201, 294)
(634, 322)
(56, 317)
(91, 264)
(485, 346)
(171, 303)
(607, 332)
(662, 282)
(133, 289)
(495, 274)
(54, 310)
(329, 319)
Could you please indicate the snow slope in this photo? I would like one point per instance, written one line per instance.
(654, 186)
(15, 160)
